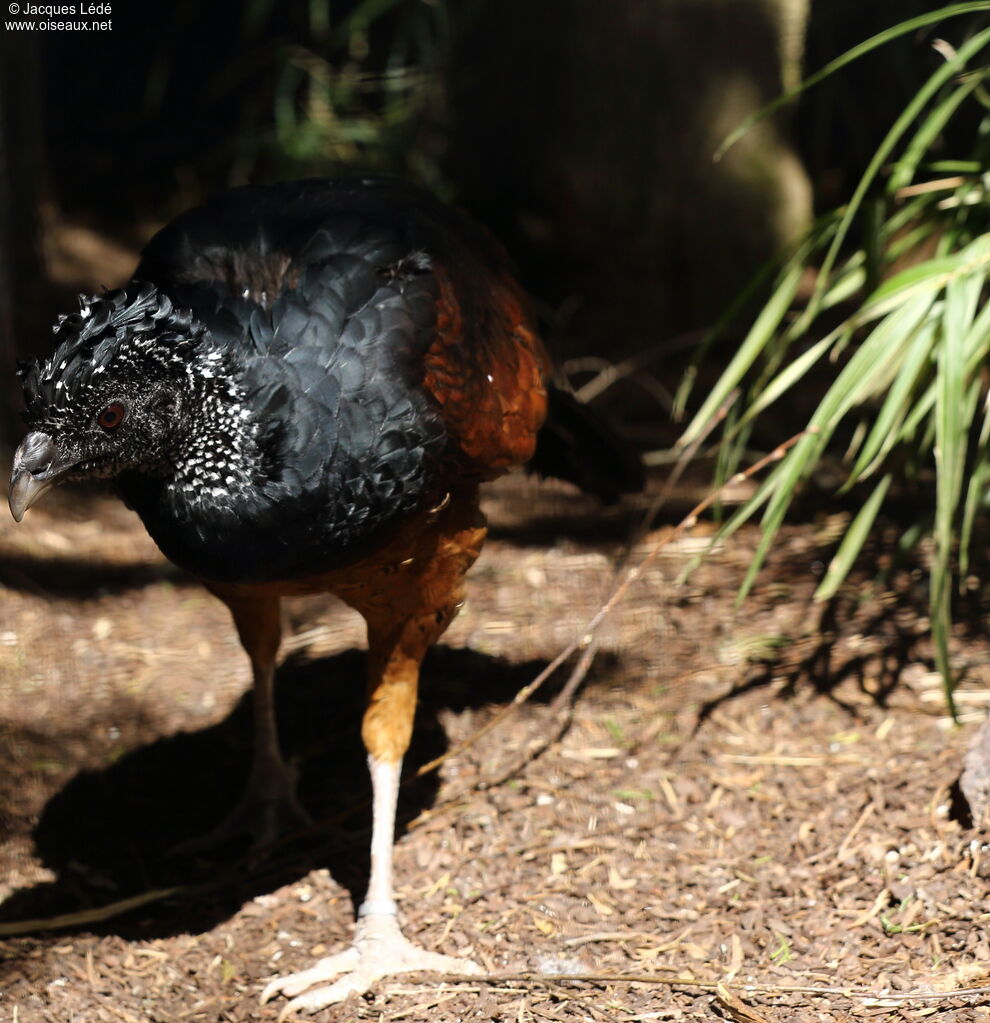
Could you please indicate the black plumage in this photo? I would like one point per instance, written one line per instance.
(301, 390)
(340, 440)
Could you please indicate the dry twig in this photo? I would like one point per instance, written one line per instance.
(747, 987)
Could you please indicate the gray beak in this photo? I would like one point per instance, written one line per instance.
(37, 467)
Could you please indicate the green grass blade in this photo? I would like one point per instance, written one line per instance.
(906, 167)
(911, 240)
(754, 343)
(976, 490)
(874, 364)
(844, 287)
(864, 374)
(951, 430)
(886, 427)
(910, 212)
(870, 370)
(937, 271)
(740, 302)
(853, 540)
(917, 104)
(978, 351)
(738, 519)
(792, 470)
(786, 379)
(954, 167)
(853, 54)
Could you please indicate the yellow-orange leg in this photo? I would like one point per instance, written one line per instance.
(405, 617)
(268, 807)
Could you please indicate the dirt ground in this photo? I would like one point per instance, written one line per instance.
(763, 798)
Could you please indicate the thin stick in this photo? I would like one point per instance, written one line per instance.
(616, 371)
(564, 700)
(713, 985)
(12, 928)
(683, 460)
(941, 185)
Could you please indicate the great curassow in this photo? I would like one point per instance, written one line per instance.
(301, 391)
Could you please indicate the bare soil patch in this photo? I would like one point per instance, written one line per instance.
(757, 795)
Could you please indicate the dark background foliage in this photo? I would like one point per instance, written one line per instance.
(580, 132)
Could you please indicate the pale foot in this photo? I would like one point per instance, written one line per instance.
(267, 809)
(379, 950)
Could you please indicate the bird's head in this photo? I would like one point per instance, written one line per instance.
(109, 400)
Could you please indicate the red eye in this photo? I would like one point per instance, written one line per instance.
(112, 416)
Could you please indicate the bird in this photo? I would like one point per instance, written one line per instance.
(300, 391)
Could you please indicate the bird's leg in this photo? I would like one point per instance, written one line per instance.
(394, 656)
(268, 806)
(380, 949)
(385, 788)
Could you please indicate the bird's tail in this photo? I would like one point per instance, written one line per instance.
(577, 445)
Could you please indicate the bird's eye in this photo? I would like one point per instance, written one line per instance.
(112, 416)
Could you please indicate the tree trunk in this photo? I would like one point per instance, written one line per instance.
(598, 123)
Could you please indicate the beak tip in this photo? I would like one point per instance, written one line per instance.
(17, 498)
(25, 489)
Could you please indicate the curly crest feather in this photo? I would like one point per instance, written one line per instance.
(115, 328)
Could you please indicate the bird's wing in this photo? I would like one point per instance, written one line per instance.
(487, 370)
(320, 258)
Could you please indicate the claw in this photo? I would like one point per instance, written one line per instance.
(379, 950)
(323, 970)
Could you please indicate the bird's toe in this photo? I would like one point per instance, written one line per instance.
(320, 997)
(379, 950)
(325, 969)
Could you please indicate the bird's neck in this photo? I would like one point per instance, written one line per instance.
(216, 454)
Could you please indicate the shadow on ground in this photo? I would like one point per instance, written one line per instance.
(82, 577)
(813, 657)
(107, 833)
